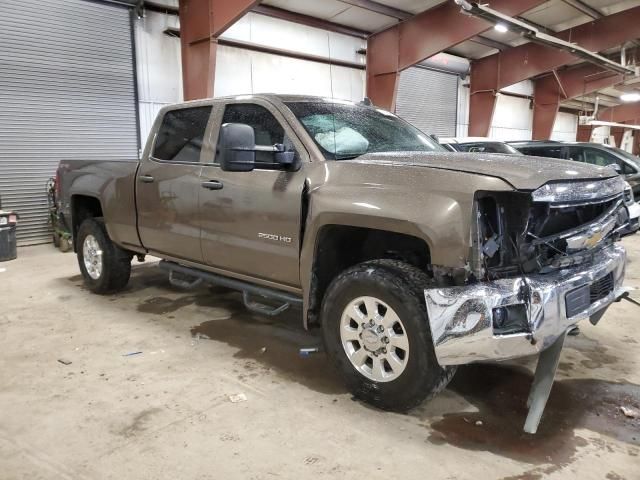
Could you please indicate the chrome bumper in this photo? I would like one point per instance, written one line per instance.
(461, 317)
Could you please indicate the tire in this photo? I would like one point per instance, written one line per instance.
(115, 263)
(398, 286)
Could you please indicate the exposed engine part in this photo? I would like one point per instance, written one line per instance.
(519, 233)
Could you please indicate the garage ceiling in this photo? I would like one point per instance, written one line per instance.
(552, 16)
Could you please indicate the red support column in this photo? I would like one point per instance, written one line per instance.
(584, 133)
(201, 21)
(482, 101)
(547, 95)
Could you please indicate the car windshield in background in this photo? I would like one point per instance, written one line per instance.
(345, 131)
(487, 147)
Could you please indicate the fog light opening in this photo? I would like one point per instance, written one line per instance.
(510, 319)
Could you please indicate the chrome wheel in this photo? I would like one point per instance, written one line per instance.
(374, 339)
(92, 257)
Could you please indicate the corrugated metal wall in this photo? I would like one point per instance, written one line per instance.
(428, 99)
(66, 91)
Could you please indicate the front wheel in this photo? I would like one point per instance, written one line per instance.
(105, 266)
(375, 328)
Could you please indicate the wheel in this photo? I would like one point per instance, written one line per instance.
(105, 266)
(376, 330)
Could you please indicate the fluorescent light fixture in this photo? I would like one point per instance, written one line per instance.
(501, 27)
(630, 97)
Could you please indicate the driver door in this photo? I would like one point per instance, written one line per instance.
(251, 220)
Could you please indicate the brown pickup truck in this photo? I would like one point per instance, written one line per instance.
(411, 259)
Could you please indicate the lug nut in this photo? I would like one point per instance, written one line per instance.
(380, 329)
(384, 350)
(371, 323)
(385, 339)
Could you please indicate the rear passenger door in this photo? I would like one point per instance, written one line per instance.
(251, 224)
(168, 185)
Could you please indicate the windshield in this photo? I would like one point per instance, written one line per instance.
(487, 147)
(345, 131)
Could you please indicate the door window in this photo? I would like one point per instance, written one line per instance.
(268, 131)
(577, 154)
(181, 133)
(598, 157)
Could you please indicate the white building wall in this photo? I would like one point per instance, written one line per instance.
(159, 67)
(241, 71)
(565, 128)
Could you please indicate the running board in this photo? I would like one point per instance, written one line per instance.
(246, 288)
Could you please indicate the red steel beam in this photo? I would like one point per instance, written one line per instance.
(532, 59)
(620, 113)
(420, 37)
(549, 91)
(201, 22)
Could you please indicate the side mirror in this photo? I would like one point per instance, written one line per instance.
(236, 148)
(616, 167)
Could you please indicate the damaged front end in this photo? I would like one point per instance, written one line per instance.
(540, 262)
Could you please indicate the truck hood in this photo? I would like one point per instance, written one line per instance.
(520, 171)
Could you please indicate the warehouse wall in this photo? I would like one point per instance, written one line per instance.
(513, 116)
(241, 71)
(159, 68)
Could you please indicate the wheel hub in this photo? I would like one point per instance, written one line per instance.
(371, 339)
(92, 257)
(374, 339)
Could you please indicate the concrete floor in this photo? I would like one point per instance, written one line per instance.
(166, 412)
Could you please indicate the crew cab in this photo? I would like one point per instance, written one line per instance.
(410, 259)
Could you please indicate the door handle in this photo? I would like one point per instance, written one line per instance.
(212, 185)
(146, 178)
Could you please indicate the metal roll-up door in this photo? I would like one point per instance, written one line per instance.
(429, 100)
(67, 91)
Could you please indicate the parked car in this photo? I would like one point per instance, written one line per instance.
(477, 145)
(409, 263)
(599, 154)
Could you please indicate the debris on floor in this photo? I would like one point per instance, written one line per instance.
(305, 352)
(238, 397)
(64, 361)
(130, 354)
(630, 412)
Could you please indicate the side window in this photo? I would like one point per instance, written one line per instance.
(267, 129)
(577, 154)
(626, 168)
(597, 157)
(180, 136)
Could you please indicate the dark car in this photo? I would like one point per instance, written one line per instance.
(625, 163)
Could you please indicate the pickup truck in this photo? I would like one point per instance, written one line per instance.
(409, 258)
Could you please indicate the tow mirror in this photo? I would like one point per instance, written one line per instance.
(236, 148)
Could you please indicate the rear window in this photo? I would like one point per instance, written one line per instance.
(181, 133)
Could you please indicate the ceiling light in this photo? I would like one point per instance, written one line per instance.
(500, 27)
(630, 97)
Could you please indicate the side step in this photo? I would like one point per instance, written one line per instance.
(246, 288)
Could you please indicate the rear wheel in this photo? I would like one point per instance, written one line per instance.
(375, 328)
(105, 266)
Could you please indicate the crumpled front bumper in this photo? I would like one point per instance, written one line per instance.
(461, 317)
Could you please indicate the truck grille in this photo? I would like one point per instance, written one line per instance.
(601, 288)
